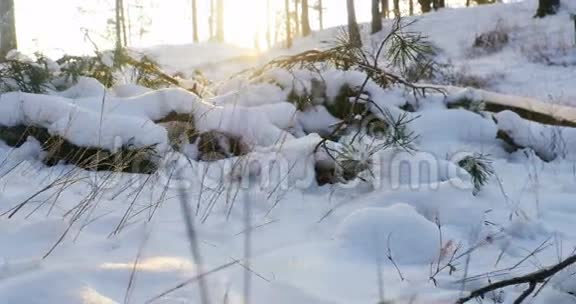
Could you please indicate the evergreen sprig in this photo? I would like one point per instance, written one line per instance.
(479, 166)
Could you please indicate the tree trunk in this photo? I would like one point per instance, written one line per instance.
(437, 4)
(305, 19)
(396, 8)
(220, 20)
(268, 24)
(194, 21)
(120, 23)
(411, 7)
(257, 40)
(211, 18)
(117, 24)
(353, 29)
(296, 19)
(123, 19)
(320, 9)
(7, 28)
(547, 7)
(385, 9)
(120, 32)
(288, 29)
(376, 17)
(425, 5)
(467, 3)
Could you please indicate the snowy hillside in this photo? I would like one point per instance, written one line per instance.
(291, 184)
(520, 68)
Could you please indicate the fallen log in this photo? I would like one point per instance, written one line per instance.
(61, 151)
(17, 135)
(527, 108)
(548, 129)
(548, 142)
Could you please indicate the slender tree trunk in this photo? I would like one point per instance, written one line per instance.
(385, 9)
(296, 19)
(411, 7)
(123, 18)
(220, 20)
(278, 25)
(129, 26)
(117, 24)
(305, 19)
(467, 3)
(211, 18)
(396, 8)
(268, 24)
(376, 17)
(257, 40)
(288, 29)
(547, 7)
(353, 29)
(321, 14)
(119, 36)
(8, 39)
(194, 21)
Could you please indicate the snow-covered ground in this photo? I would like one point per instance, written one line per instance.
(411, 233)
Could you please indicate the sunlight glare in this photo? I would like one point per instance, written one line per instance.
(91, 296)
(155, 264)
(156, 22)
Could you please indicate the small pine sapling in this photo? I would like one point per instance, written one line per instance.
(479, 166)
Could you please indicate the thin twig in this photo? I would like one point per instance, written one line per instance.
(533, 279)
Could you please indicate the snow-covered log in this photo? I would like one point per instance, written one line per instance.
(527, 108)
(113, 126)
(548, 142)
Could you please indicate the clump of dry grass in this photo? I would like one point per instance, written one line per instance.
(463, 77)
(553, 50)
(492, 41)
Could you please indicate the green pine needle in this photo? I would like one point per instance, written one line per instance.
(479, 166)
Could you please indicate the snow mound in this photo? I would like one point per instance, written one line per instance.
(130, 90)
(85, 87)
(371, 232)
(446, 132)
(551, 295)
